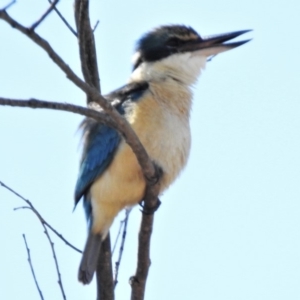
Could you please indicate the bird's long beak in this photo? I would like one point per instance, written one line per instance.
(213, 45)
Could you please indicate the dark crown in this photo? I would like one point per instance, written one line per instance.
(164, 41)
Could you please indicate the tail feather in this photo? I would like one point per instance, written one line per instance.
(90, 257)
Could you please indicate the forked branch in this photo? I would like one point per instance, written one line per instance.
(45, 225)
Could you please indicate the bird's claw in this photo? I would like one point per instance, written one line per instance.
(149, 210)
(157, 175)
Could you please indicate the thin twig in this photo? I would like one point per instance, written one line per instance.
(31, 268)
(118, 235)
(41, 19)
(118, 262)
(22, 207)
(9, 5)
(63, 19)
(96, 25)
(56, 263)
(42, 220)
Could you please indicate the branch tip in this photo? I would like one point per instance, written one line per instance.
(8, 5)
(31, 267)
(63, 19)
(96, 25)
(41, 19)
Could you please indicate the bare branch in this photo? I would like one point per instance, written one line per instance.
(44, 224)
(35, 103)
(61, 237)
(89, 67)
(87, 47)
(138, 281)
(41, 19)
(9, 5)
(118, 262)
(105, 287)
(56, 263)
(42, 220)
(49, 50)
(122, 125)
(63, 19)
(31, 268)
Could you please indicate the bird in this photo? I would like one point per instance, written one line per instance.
(156, 102)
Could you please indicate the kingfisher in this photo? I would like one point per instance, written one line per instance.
(157, 104)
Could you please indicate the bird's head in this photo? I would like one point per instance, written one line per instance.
(179, 52)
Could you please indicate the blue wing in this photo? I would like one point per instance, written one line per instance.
(101, 141)
(100, 145)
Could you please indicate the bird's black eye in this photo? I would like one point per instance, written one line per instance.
(174, 42)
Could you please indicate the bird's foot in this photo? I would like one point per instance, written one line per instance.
(149, 210)
(157, 175)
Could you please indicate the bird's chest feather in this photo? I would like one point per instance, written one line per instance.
(161, 121)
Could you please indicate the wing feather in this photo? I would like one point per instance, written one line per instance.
(100, 141)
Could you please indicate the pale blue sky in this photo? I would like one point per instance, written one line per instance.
(229, 228)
